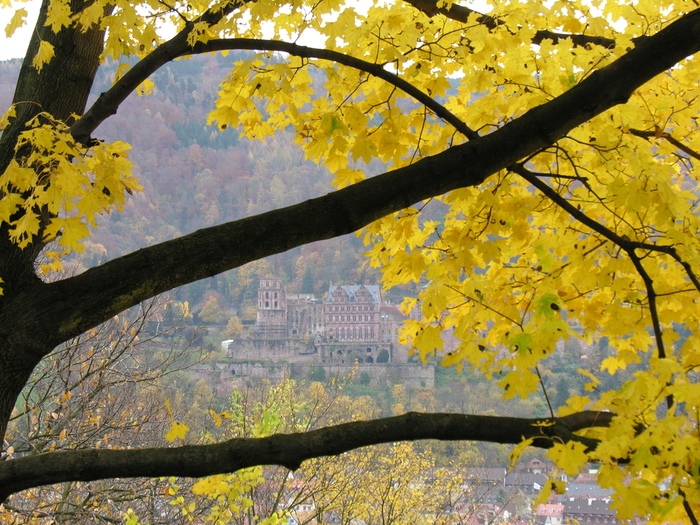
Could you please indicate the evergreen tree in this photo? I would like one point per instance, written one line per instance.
(307, 284)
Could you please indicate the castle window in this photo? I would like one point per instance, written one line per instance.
(267, 304)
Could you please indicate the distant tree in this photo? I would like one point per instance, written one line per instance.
(396, 484)
(383, 356)
(104, 388)
(233, 328)
(365, 378)
(212, 313)
(317, 373)
(307, 285)
(562, 392)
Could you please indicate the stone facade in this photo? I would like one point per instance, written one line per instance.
(272, 309)
(353, 325)
(353, 328)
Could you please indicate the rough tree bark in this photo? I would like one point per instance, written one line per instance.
(289, 450)
(36, 316)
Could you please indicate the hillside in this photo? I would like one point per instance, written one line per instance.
(175, 151)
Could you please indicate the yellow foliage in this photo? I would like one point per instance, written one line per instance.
(597, 236)
(177, 431)
(17, 20)
(43, 55)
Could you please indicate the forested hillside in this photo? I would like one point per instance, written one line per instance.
(232, 178)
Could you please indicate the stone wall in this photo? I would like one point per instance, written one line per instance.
(407, 374)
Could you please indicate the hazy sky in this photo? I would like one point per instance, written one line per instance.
(16, 46)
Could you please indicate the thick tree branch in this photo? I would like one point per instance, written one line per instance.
(67, 308)
(288, 450)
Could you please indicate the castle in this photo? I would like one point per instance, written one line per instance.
(353, 327)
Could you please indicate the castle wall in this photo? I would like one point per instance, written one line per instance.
(408, 374)
(290, 350)
(240, 375)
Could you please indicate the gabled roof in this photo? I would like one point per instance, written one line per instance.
(549, 509)
(525, 479)
(588, 506)
(485, 474)
(587, 490)
(352, 289)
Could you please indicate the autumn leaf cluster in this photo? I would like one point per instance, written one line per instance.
(595, 235)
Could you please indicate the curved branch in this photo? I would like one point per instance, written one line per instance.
(108, 103)
(288, 450)
(658, 134)
(623, 242)
(373, 69)
(627, 245)
(66, 308)
(461, 14)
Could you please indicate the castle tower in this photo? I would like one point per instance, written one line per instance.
(272, 309)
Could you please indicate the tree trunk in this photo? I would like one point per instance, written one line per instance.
(61, 88)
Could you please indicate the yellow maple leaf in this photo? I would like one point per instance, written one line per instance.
(570, 457)
(43, 55)
(177, 431)
(145, 88)
(17, 21)
(73, 231)
(5, 119)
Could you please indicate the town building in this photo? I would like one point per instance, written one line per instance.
(550, 514)
(584, 511)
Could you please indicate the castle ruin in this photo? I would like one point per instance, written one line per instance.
(352, 328)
